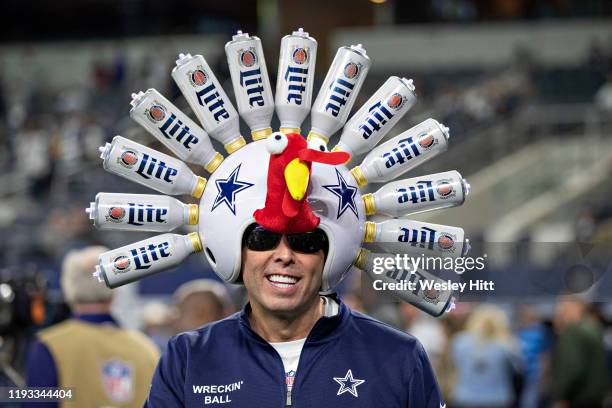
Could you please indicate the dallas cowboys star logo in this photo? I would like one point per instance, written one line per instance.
(227, 190)
(348, 378)
(345, 194)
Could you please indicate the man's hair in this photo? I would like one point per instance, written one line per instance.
(77, 282)
(217, 289)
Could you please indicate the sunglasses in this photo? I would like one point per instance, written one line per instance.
(256, 238)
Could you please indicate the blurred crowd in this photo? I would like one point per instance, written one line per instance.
(493, 355)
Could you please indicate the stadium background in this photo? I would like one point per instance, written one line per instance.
(525, 87)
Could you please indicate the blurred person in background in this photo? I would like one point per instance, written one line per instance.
(429, 330)
(103, 363)
(486, 361)
(158, 323)
(199, 302)
(579, 371)
(535, 343)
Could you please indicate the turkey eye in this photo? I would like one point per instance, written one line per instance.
(276, 143)
(317, 144)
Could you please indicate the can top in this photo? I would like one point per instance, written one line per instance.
(300, 33)
(466, 247)
(137, 98)
(91, 210)
(104, 150)
(240, 36)
(98, 274)
(409, 84)
(183, 59)
(466, 187)
(359, 49)
(444, 129)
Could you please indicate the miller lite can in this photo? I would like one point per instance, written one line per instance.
(418, 194)
(140, 212)
(339, 91)
(150, 168)
(174, 129)
(416, 237)
(421, 294)
(251, 83)
(377, 116)
(208, 100)
(144, 258)
(296, 68)
(402, 153)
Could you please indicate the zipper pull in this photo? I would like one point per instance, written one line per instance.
(288, 402)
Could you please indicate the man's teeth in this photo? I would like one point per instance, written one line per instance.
(282, 281)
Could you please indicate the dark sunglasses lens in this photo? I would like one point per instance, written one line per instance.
(262, 240)
(308, 242)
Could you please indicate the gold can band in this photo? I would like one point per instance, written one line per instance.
(358, 176)
(195, 241)
(214, 163)
(312, 135)
(199, 188)
(370, 204)
(261, 134)
(235, 145)
(289, 130)
(361, 258)
(370, 231)
(194, 214)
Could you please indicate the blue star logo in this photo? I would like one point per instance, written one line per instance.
(345, 194)
(352, 384)
(227, 190)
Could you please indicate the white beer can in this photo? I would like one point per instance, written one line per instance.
(174, 129)
(144, 258)
(416, 237)
(140, 212)
(377, 116)
(404, 152)
(294, 81)
(418, 194)
(251, 83)
(339, 91)
(419, 283)
(208, 100)
(150, 168)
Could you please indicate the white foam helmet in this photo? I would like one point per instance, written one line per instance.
(238, 188)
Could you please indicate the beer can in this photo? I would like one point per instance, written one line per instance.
(294, 81)
(339, 91)
(416, 237)
(421, 294)
(377, 116)
(144, 258)
(418, 194)
(150, 168)
(174, 129)
(140, 212)
(251, 83)
(403, 152)
(208, 100)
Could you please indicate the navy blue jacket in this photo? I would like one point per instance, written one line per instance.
(348, 360)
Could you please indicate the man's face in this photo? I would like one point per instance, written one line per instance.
(282, 281)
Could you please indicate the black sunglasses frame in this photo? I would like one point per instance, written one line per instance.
(257, 238)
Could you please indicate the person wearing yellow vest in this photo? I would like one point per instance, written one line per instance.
(106, 365)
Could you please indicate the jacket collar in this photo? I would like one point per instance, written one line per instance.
(325, 329)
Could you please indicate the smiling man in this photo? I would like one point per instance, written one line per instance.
(295, 343)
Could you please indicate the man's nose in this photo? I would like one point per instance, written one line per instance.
(283, 252)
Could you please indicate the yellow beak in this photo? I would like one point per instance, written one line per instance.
(296, 178)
